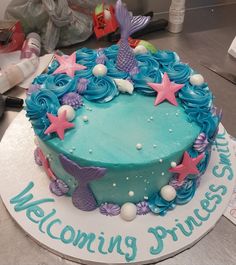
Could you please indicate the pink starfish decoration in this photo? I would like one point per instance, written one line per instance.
(188, 166)
(58, 124)
(166, 90)
(68, 65)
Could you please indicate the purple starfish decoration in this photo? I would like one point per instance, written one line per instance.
(82, 197)
(128, 25)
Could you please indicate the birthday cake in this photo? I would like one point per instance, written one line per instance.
(126, 131)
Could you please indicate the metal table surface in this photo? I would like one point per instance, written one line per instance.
(207, 36)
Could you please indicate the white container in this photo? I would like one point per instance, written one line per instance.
(176, 16)
(14, 74)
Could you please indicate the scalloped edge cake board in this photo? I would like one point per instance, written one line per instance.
(91, 238)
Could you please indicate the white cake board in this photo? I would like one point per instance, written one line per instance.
(18, 170)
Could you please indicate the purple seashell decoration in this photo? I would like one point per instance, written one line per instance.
(82, 197)
(37, 157)
(73, 99)
(82, 85)
(142, 208)
(201, 143)
(109, 209)
(32, 88)
(58, 187)
(128, 25)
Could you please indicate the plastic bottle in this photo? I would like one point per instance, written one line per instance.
(16, 73)
(31, 46)
(176, 16)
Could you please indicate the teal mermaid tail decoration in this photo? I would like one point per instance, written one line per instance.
(128, 25)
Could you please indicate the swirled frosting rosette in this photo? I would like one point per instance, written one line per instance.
(60, 84)
(113, 72)
(52, 67)
(145, 76)
(160, 206)
(197, 102)
(177, 72)
(166, 57)
(39, 80)
(100, 89)
(145, 60)
(186, 192)
(202, 165)
(111, 52)
(38, 104)
(86, 57)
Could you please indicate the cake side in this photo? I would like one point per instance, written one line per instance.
(109, 139)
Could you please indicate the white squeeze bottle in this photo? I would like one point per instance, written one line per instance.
(14, 74)
(176, 16)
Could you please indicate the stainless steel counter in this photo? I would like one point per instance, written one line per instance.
(207, 36)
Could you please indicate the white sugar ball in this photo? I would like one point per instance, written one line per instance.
(85, 118)
(140, 49)
(173, 164)
(70, 112)
(168, 193)
(107, 14)
(139, 146)
(131, 193)
(196, 80)
(99, 70)
(128, 211)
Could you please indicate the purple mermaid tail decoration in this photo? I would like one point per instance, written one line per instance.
(82, 197)
(128, 25)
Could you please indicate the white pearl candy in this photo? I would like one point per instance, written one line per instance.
(140, 49)
(196, 80)
(168, 193)
(85, 118)
(128, 211)
(173, 164)
(139, 146)
(70, 112)
(99, 70)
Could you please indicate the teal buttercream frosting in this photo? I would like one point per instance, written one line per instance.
(109, 138)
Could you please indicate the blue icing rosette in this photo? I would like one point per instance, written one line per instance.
(38, 104)
(86, 57)
(160, 206)
(113, 72)
(185, 193)
(145, 75)
(40, 79)
(86, 73)
(60, 84)
(166, 57)
(52, 67)
(146, 60)
(202, 165)
(100, 89)
(177, 72)
(197, 102)
(111, 52)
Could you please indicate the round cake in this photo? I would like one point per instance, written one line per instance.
(124, 130)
